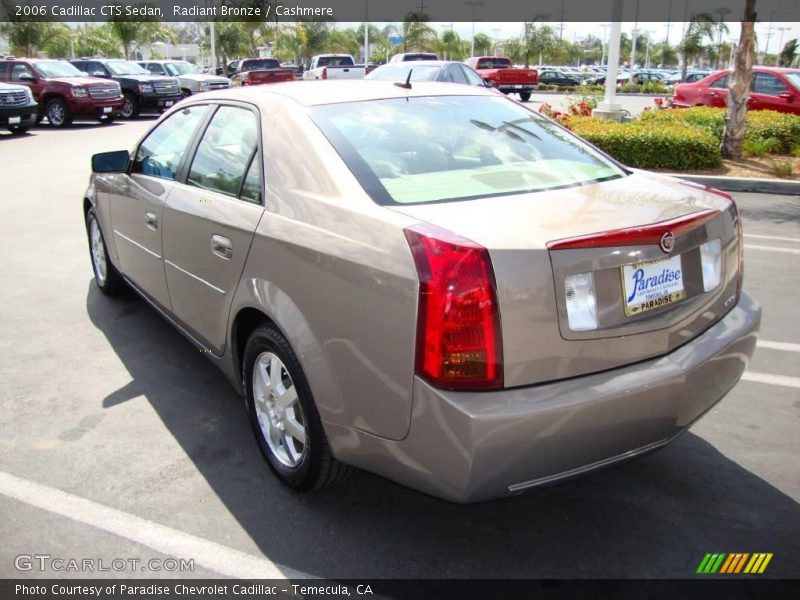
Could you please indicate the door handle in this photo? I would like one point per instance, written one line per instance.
(221, 246)
(151, 220)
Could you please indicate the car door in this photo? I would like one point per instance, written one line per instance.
(768, 92)
(209, 222)
(138, 202)
(716, 94)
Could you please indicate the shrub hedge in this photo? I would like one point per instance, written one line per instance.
(761, 125)
(671, 145)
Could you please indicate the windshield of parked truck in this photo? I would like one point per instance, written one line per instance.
(56, 68)
(181, 68)
(436, 148)
(126, 67)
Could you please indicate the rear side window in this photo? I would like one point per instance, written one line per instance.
(454, 74)
(721, 83)
(764, 83)
(429, 149)
(225, 153)
(494, 63)
(472, 77)
(161, 153)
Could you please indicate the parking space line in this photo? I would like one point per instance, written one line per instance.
(770, 379)
(772, 249)
(166, 540)
(785, 346)
(771, 237)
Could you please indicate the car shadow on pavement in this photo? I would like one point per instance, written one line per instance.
(653, 517)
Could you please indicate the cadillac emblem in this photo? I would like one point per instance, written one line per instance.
(667, 242)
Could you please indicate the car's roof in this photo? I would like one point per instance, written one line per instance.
(313, 93)
(425, 63)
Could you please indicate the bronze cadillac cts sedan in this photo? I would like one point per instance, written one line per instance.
(432, 283)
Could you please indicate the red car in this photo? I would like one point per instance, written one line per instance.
(63, 92)
(505, 77)
(258, 71)
(772, 88)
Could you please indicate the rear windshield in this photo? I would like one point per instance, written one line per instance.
(408, 57)
(399, 72)
(260, 64)
(440, 148)
(334, 61)
(494, 63)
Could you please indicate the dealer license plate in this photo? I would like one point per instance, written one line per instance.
(14, 120)
(106, 109)
(652, 285)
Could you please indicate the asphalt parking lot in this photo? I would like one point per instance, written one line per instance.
(120, 441)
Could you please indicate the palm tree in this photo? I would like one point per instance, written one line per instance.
(739, 86)
(483, 44)
(702, 26)
(26, 38)
(417, 34)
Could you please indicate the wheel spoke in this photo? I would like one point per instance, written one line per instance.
(275, 373)
(287, 398)
(295, 429)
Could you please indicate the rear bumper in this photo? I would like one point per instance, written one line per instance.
(517, 87)
(468, 447)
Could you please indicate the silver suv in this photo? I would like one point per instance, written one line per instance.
(192, 80)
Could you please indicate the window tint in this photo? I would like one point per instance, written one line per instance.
(472, 77)
(453, 74)
(161, 152)
(251, 188)
(19, 68)
(156, 69)
(225, 151)
(764, 83)
(721, 83)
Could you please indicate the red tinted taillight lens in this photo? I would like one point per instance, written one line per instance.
(459, 342)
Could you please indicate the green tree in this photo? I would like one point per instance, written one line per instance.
(232, 41)
(417, 34)
(96, 40)
(483, 44)
(788, 54)
(59, 41)
(451, 46)
(26, 38)
(703, 27)
(132, 34)
(539, 40)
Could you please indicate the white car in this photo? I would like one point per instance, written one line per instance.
(192, 80)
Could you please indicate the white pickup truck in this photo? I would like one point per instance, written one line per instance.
(334, 66)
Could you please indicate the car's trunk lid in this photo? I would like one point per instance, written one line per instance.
(538, 343)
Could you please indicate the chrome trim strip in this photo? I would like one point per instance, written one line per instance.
(213, 287)
(137, 244)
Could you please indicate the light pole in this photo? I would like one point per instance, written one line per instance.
(474, 4)
(721, 11)
(649, 32)
(604, 42)
(780, 45)
(633, 38)
(496, 32)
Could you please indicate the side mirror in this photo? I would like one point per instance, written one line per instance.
(111, 162)
(25, 77)
(488, 83)
(787, 96)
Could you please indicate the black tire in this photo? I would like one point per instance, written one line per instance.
(130, 109)
(186, 93)
(19, 129)
(317, 469)
(113, 283)
(58, 113)
(524, 96)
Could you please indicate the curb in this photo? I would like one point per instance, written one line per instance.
(744, 184)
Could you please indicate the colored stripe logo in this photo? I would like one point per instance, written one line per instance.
(734, 563)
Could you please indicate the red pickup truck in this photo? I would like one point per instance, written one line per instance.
(505, 77)
(257, 71)
(63, 92)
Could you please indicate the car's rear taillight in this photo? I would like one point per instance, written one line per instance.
(459, 343)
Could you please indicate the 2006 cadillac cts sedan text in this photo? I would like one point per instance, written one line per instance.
(434, 284)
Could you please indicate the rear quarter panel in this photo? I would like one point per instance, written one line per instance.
(334, 272)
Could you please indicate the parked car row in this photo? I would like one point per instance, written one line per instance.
(93, 88)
